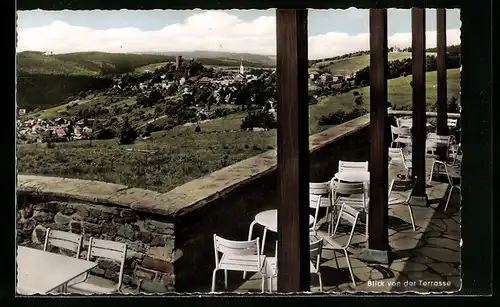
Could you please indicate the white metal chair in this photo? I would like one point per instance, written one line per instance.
(397, 156)
(401, 135)
(241, 256)
(352, 166)
(321, 189)
(403, 186)
(404, 122)
(111, 250)
(352, 194)
(452, 169)
(435, 141)
(315, 249)
(452, 123)
(350, 215)
(65, 240)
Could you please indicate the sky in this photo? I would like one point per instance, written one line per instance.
(331, 32)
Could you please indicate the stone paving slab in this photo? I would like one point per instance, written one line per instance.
(425, 261)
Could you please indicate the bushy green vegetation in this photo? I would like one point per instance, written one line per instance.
(45, 91)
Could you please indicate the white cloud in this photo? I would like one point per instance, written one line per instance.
(212, 30)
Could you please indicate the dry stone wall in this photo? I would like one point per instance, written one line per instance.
(150, 239)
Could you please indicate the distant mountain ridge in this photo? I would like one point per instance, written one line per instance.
(92, 63)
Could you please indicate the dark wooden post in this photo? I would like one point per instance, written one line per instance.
(378, 238)
(442, 113)
(293, 151)
(419, 104)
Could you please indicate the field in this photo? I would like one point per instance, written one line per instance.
(354, 64)
(181, 154)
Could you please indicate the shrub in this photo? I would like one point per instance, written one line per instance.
(339, 117)
(104, 134)
(258, 119)
(453, 106)
(127, 133)
(358, 100)
(197, 129)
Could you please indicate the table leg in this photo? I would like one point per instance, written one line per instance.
(263, 241)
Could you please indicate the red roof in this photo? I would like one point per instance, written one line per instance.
(60, 132)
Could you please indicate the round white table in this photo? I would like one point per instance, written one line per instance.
(268, 219)
(353, 176)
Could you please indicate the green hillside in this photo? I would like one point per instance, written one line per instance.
(83, 63)
(356, 63)
(399, 92)
(36, 63)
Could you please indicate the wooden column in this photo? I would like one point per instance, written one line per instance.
(293, 151)
(442, 113)
(378, 210)
(419, 101)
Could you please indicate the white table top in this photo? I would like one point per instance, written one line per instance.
(269, 219)
(353, 176)
(42, 272)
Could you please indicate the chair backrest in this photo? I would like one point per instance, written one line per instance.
(319, 188)
(315, 249)
(455, 153)
(395, 155)
(400, 132)
(315, 203)
(402, 186)
(452, 122)
(439, 139)
(405, 122)
(350, 215)
(65, 240)
(236, 248)
(353, 166)
(111, 250)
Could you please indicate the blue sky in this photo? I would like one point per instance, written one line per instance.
(330, 25)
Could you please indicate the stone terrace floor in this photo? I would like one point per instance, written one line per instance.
(423, 261)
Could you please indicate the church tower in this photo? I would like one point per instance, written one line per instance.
(242, 69)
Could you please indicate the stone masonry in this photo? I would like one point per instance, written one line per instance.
(150, 239)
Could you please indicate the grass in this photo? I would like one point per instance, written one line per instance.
(37, 63)
(182, 154)
(150, 67)
(359, 62)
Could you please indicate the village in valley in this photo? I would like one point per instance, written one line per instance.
(203, 93)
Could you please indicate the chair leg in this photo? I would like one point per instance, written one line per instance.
(449, 197)
(366, 225)
(411, 217)
(336, 260)
(250, 231)
(350, 268)
(263, 283)
(432, 171)
(213, 280)
(225, 279)
(270, 284)
(320, 282)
